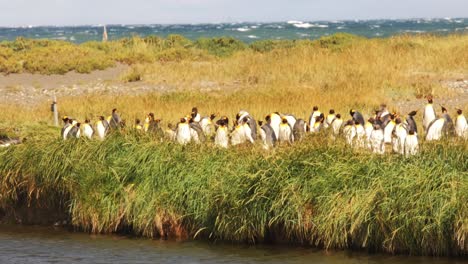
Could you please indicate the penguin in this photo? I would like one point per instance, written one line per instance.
(102, 127)
(313, 117)
(336, 125)
(250, 120)
(222, 133)
(66, 124)
(238, 134)
(349, 132)
(207, 125)
(285, 132)
(449, 128)
(369, 127)
(247, 130)
(170, 132)
(291, 119)
(330, 117)
(299, 129)
(152, 125)
(138, 126)
(196, 131)
(195, 115)
(435, 129)
(318, 124)
(411, 146)
(382, 113)
(461, 126)
(68, 128)
(75, 131)
(115, 120)
(267, 135)
(275, 122)
(88, 130)
(411, 123)
(399, 135)
(183, 132)
(360, 134)
(388, 129)
(429, 114)
(357, 116)
(377, 140)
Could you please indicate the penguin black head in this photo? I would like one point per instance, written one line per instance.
(459, 111)
(78, 124)
(87, 121)
(315, 108)
(338, 116)
(245, 120)
(371, 120)
(237, 116)
(65, 119)
(183, 120)
(137, 121)
(114, 110)
(260, 122)
(349, 122)
(332, 111)
(356, 122)
(70, 121)
(212, 116)
(284, 120)
(226, 119)
(411, 131)
(392, 116)
(351, 112)
(398, 120)
(413, 113)
(194, 110)
(444, 110)
(429, 99)
(151, 116)
(268, 118)
(101, 118)
(376, 126)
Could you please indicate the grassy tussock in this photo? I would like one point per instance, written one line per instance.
(314, 193)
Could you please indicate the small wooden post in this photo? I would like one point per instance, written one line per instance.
(55, 110)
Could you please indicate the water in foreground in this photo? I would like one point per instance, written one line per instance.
(32, 244)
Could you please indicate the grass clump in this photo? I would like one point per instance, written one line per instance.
(317, 194)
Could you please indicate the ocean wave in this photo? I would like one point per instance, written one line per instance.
(243, 29)
(294, 22)
(252, 37)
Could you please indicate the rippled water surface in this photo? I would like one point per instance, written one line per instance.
(50, 245)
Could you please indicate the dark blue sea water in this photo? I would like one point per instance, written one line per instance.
(247, 32)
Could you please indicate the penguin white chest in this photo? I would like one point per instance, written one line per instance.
(101, 130)
(184, 133)
(88, 131)
(388, 132)
(434, 131)
(221, 138)
(285, 133)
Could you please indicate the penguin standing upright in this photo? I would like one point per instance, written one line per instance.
(275, 122)
(207, 125)
(313, 117)
(299, 129)
(336, 125)
(369, 127)
(360, 134)
(75, 131)
(349, 131)
(330, 117)
(291, 119)
(411, 143)
(138, 126)
(102, 127)
(449, 128)
(267, 134)
(377, 140)
(238, 134)
(170, 132)
(429, 114)
(68, 128)
(195, 115)
(183, 132)
(285, 132)
(242, 115)
(411, 123)
(196, 131)
(88, 130)
(222, 133)
(115, 120)
(247, 130)
(435, 129)
(399, 135)
(461, 126)
(388, 129)
(66, 124)
(357, 116)
(318, 124)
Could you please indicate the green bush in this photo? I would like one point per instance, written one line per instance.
(221, 47)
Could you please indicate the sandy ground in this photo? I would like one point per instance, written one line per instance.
(32, 89)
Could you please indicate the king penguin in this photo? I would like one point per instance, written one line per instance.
(66, 124)
(411, 143)
(68, 128)
(207, 125)
(115, 120)
(285, 132)
(88, 130)
(357, 116)
(275, 122)
(336, 125)
(250, 120)
(267, 134)
(461, 126)
(75, 131)
(238, 133)
(313, 117)
(102, 127)
(299, 129)
(411, 123)
(435, 129)
(222, 133)
(388, 129)
(196, 131)
(349, 131)
(399, 136)
(183, 133)
(377, 140)
(369, 127)
(195, 115)
(330, 117)
(429, 114)
(360, 134)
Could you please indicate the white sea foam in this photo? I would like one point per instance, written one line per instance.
(72, 38)
(254, 27)
(252, 37)
(340, 27)
(308, 25)
(295, 22)
(243, 29)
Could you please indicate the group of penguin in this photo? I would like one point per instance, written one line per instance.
(383, 128)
